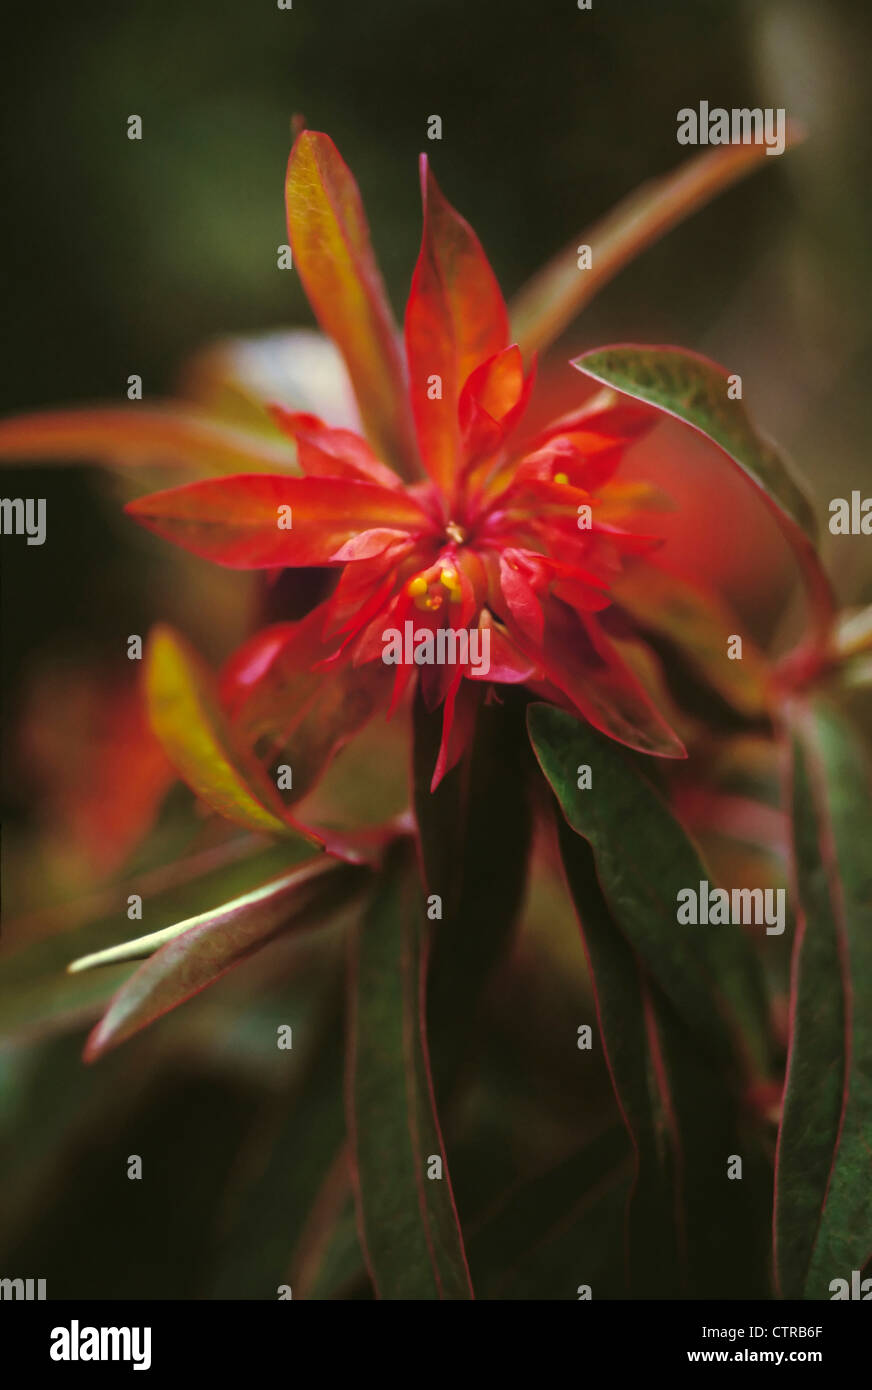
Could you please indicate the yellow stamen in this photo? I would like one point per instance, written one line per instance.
(418, 585)
(561, 478)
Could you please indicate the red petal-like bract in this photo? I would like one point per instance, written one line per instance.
(243, 521)
(455, 320)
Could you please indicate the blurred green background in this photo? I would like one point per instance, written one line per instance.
(122, 257)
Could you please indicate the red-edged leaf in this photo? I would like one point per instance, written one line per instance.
(408, 1221)
(695, 390)
(712, 978)
(823, 1192)
(455, 320)
(195, 953)
(676, 1007)
(334, 258)
(188, 719)
(243, 522)
(142, 436)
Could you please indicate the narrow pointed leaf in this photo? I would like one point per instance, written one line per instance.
(333, 255)
(206, 946)
(38, 996)
(189, 722)
(690, 1230)
(710, 974)
(551, 300)
(408, 1222)
(823, 1212)
(143, 436)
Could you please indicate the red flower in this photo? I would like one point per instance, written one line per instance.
(445, 517)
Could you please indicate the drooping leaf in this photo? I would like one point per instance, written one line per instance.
(823, 1212)
(551, 300)
(690, 1229)
(643, 860)
(38, 996)
(188, 720)
(408, 1221)
(143, 436)
(243, 522)
(333, 255)
(193, 954)
(694, 390)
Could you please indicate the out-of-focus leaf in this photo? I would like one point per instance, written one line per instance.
(188, 720)
(240, 379)
(643, 860)
(520, 1219)
(292, 713)
(408, 1220)
(333, 255)
(216, 940)
(143, 436)
(478, 816)
(276, 1202)
(698, 625)
(550, 301)
(37, 995)
(823, 1212)
(584, 1247)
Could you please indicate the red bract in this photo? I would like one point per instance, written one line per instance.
(445, 517)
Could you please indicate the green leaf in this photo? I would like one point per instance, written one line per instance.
(202, 948)
(188, 720)
(408, 1221)
(554, 296)
(643, 859)
(693, 389)
(479, 815)
(823, 1213)
(38, 996)
(690, 1229)
(515, 1225)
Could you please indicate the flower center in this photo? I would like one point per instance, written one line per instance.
(430, 590)
(455, 533)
